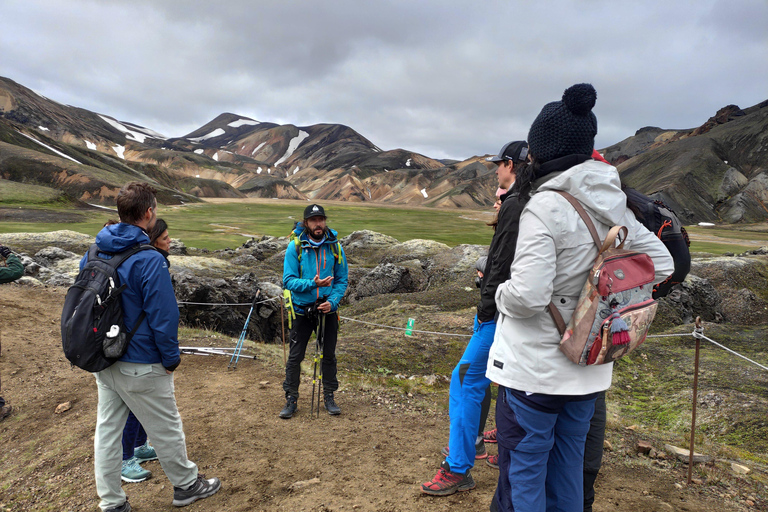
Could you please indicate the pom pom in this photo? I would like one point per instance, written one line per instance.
(619, 330)
(580, 98)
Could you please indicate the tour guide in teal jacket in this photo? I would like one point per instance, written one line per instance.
(316, 276)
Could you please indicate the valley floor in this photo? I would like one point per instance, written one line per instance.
(371, 458)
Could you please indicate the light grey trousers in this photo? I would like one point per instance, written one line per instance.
(147, 390)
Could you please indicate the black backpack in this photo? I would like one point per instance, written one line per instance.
(662, 222)
(92, 329)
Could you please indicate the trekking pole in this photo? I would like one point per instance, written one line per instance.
(319, 358)
(282, 328)
(239, 347)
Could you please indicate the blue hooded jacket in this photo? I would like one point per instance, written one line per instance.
(149, 289)
(318, 261)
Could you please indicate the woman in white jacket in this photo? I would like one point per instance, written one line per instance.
(545, 401)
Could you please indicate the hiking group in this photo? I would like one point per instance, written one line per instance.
(557, 200)
(562, 209)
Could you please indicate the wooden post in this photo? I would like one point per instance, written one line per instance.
(696, 331)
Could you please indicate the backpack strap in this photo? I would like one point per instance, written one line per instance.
(609, 242)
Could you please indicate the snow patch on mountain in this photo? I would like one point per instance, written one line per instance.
(257, 148)
(241, 122)
(131, 131)
(49, 147)
(89, 144)
(199, 151)
(47, 130)
(214, 133)
(408, 163)
(120, 150)
(424, 193)
(292, 145)
(216, 156)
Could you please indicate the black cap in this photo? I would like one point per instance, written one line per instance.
(314, 210)
(517, 151)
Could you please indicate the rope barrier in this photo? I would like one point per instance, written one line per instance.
(697, 333)
(403, 328)
(225, 303)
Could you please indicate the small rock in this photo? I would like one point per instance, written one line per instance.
(607, 445)
(749, 503)
(263, 383)
(679, 485)
(63, 407)
(632, 427)
(295, 486)
(683, 454)
(697, 481)
(643, 447)
(739, 469)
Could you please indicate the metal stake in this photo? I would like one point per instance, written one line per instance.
(696, 334)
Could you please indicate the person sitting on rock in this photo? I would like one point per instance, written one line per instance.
(315, 272)
(12, 270)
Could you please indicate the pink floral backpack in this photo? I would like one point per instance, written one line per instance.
(615, 308)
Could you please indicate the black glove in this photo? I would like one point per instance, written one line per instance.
(4, 251)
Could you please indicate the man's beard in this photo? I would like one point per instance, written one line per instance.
(316, 238)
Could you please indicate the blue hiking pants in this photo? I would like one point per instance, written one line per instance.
(468, 387)
(541, 451)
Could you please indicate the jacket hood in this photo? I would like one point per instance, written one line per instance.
(597, 187)
(119, 237)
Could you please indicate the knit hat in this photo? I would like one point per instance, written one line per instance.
(565, 127)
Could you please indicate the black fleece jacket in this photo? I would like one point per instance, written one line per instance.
(500, 254)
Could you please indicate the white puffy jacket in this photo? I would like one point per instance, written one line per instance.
(554, 254)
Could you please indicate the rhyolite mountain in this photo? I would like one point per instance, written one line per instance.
(716, 172)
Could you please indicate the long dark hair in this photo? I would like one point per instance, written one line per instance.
(525, 177)
(158, 229)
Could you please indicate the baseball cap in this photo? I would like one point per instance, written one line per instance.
(517, 151)
(314, 210)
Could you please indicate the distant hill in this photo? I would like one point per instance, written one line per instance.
(715, 172)
(90, 156)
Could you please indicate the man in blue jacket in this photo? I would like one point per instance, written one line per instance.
(142, 380)
(315, 272)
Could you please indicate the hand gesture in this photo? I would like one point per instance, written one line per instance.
(323, 282)
(325, 307)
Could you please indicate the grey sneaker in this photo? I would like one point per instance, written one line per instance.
(202, 488)
(125, 507)
(132, 472)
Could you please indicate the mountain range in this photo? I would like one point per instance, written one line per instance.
(715, 172)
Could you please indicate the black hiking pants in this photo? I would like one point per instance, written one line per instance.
(593, 451)
(303, 329)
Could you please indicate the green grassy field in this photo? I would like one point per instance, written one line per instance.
(220, 225)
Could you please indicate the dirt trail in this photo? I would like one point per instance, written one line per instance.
(371, 458)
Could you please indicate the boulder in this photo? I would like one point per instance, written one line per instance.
(365, 244)
(386, 278)
(459, 259)
(413, 249)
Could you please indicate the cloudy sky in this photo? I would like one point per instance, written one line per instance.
(449, 79)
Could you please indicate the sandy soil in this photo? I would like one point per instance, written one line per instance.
(371, 458)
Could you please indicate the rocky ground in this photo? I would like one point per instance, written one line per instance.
(393, 390)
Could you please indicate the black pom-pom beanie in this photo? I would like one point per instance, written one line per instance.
(565, 127)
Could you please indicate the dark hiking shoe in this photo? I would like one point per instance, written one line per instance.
(125, 507)
(5, 411)
(290, 408)
(480, 452)
(202, 488)
(330, 406)
(446, 482)
(489, 436)
(493, 461)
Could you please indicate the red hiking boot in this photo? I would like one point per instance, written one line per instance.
(493, 461)
(446, 482)
(489, 436)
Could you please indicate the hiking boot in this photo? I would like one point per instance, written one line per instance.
(5, 411)
(489, 436)
(202, 488)
(290, 408)
(144, 453)
(493, 461)
(480, 452)
(330, 405)
(132, 472)
(125, 507)
(446, 482)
